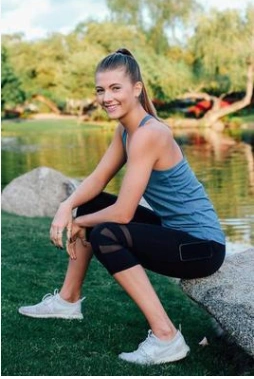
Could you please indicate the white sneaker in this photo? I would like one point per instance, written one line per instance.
(154, 351)
(53, 306)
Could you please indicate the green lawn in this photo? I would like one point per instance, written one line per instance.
(32, 267)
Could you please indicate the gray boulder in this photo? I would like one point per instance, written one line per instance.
(228, 296)
(37, 193)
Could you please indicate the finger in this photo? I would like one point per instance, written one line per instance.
(70, 247)
(53, 237)
(73, 250)
(54, 234)
(58, 237)
(69, 230)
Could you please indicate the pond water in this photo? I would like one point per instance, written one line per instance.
(224, 164)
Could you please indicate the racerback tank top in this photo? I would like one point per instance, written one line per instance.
(180, 200)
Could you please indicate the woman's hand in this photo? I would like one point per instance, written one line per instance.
(62, 220)
(73, 233)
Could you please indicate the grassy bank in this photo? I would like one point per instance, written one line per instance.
(53, 122)
(32, 267)
(50, 125)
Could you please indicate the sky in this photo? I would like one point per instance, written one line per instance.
(38, 18)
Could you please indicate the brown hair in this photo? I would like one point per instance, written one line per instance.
(123, 58)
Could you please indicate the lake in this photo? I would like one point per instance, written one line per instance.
(224, 163)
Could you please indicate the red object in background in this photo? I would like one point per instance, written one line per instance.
(203, 106)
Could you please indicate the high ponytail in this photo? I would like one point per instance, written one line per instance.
(124, 58)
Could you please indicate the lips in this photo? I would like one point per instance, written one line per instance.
(110, 108)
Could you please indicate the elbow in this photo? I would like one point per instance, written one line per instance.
(125, 219)
(123, 216)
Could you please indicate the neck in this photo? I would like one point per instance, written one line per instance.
(132, 120)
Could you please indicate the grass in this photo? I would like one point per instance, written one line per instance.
(32, 267)
(51, 125)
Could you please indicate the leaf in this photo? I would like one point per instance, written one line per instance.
(204, 342)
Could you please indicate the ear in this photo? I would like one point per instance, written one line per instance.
(138, 88)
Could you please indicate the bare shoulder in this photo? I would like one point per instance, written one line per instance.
(155, 131)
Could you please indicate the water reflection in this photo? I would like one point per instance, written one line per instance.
(223, 164)
(226, 167)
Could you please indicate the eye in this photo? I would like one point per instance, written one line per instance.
(116, 88)
(99, 91)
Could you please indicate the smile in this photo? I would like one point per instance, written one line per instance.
(110, 108)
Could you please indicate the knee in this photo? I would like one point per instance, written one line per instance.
(103, 235)
(111, 243)
(109, 237)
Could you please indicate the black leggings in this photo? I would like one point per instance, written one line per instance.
(144, 241)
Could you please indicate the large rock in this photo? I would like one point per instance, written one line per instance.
(229, 296)
(37, 193)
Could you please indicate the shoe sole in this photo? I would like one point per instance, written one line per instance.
(67, 317)
(173, 358)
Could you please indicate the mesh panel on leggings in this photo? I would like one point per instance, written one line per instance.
(112, 245)
(106, 232)
(112, 237)
(127, 235)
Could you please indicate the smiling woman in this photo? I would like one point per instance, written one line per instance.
(119, 81)
(180, 237)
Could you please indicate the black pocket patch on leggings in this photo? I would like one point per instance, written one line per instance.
(194, 251)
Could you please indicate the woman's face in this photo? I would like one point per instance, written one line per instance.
(116, 93)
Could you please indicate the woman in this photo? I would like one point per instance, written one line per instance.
(180, 237)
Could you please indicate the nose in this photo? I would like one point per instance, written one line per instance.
(107, 98)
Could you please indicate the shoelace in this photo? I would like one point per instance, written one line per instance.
(142, 345)
(48, 297)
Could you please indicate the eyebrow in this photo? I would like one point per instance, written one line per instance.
(111, 85)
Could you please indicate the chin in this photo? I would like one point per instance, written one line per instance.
(113, 117)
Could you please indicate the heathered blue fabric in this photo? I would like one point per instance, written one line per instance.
(180, 200)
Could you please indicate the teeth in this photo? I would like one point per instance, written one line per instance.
(110, 107)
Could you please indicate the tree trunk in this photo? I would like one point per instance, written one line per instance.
(215, 114)
(212, 118)
(48, 102)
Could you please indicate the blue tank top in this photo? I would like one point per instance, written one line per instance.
(180, 200)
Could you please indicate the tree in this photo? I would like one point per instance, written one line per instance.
(213, 117)
(158, 18)
(12, 92)
(126, 12)
(221, 45)
(110, 36)
(169, 15)
(163, 77)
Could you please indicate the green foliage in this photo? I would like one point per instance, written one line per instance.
(154, 17)
(12, 93)
(111, 35)
(62, 67)
(126, 12)
(221, 46)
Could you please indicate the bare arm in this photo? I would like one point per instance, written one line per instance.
(141, 160)
(91, 186)
(109, 165)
